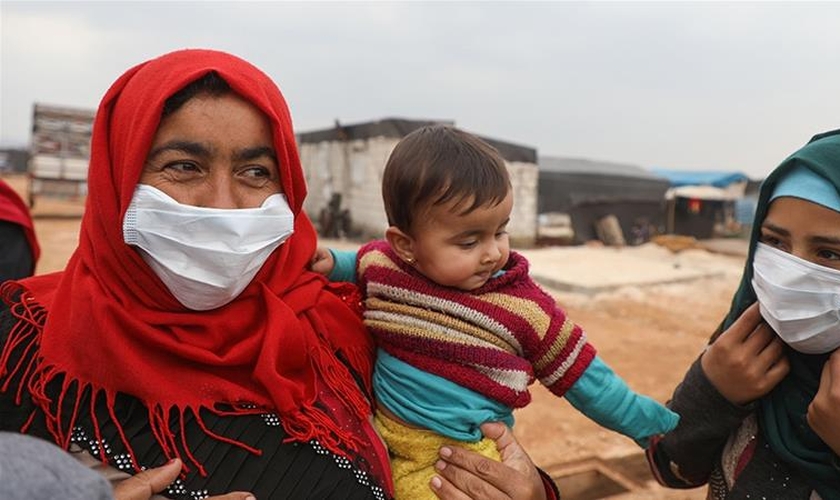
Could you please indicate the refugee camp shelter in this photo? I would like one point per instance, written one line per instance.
(587, 191)
(343, 165)
(13, 159)
(703, 204)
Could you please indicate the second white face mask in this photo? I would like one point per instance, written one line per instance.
(800, 300)
(204, 256)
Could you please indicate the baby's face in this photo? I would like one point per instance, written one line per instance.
(462, 251)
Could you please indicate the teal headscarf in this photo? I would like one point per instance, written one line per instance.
(782, 413)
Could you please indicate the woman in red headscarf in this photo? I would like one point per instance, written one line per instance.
(19, 250)
(186, 324)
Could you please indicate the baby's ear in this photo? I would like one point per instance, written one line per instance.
(401, 243)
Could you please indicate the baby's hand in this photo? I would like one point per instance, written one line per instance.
(322, 261)
(747, 360)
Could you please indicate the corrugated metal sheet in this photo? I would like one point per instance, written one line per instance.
(398, 128)
(592, 167)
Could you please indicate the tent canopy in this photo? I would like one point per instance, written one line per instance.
(702, 192)
(719, 179)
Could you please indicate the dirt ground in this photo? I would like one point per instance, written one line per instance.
(649, 335)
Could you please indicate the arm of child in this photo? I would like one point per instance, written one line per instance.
(715, 397)
(684, 457)
(336, 265)
(604, 397)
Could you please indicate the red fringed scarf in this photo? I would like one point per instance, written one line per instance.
(13, 209)
(107, 324)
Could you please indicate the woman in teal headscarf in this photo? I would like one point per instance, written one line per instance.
(760, 408)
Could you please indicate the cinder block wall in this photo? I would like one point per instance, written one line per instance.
(523, 220)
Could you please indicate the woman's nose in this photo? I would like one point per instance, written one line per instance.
(217, 198)
(219, 192)
(801, 253)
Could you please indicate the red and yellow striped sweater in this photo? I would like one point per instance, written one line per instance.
(494, 340)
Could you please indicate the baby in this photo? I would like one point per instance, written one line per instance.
(462, 329)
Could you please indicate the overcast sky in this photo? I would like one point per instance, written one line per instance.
(702, 86)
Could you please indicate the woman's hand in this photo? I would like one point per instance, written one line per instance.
(467, 475)
(144, 485)
(824, 410)
(747, 360)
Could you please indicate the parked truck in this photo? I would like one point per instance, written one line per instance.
(59, 151)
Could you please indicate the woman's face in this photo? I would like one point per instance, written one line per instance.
(214, 151)
(804, 229)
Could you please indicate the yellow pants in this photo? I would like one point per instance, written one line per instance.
(414, 453)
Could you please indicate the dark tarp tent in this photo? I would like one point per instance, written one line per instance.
(590, 190)
(704, 204)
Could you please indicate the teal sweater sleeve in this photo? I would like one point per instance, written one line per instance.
(345, 265)
(604, 397)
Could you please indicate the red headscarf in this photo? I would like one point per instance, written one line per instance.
(13, 209)
(112, 326)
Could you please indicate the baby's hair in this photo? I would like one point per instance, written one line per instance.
(437, 164)
(210, 84)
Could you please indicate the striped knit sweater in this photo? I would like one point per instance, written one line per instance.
(494, 340)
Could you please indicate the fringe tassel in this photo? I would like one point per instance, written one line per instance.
(96, 430)
(310, 422)
(301, 425)
(28, 422)
(25, 334)
(362, 359)
(337, 375)
(226, 439)
(123, 437)
(315, 424)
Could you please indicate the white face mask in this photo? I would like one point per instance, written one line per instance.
(800, 300)
(205, 256)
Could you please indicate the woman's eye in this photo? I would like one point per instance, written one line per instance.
(181, 167)
(769, 239)
(828, 254)
(257, 176)
(257, 172)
